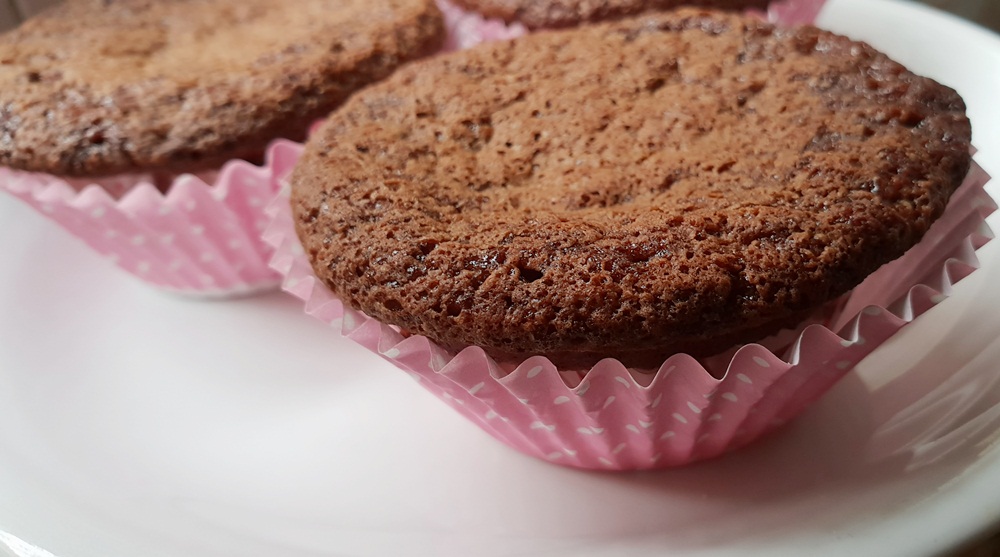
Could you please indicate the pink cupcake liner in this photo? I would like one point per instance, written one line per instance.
(614, 418)
(466, 29)
(201, 238)
(794, 12)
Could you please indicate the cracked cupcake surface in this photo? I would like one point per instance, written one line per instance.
(671, 183)
(96, 88)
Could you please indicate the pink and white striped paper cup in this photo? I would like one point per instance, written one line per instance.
(613, 418)
(201, 237)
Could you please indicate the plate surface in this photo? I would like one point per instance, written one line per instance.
(137, 423)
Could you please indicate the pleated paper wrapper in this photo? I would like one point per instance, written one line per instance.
(794, 12)
(201, 237)
(613, 418)
(468, 28)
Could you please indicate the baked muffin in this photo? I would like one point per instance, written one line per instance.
(619, 191)
(94, 88)
(123, 100)
(674, 183)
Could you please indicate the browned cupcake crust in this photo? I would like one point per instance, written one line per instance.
(567, 13)
(630, 190)
(100, 87)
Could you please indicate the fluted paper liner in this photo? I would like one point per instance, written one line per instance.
(467, 28)
(200, 237)
(794, 12)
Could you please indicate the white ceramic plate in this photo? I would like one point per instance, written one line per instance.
(133, 423)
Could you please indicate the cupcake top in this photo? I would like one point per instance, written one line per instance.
(672, 183)
(567, 13)
(95, 88)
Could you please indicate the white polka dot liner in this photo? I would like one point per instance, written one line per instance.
(613, 418)
(201, 238)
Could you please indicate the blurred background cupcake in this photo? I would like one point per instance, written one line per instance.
(143, 127)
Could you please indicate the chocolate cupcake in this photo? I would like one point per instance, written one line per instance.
(93, 89)
(618, 200)
(139, 94)
(606, 193)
